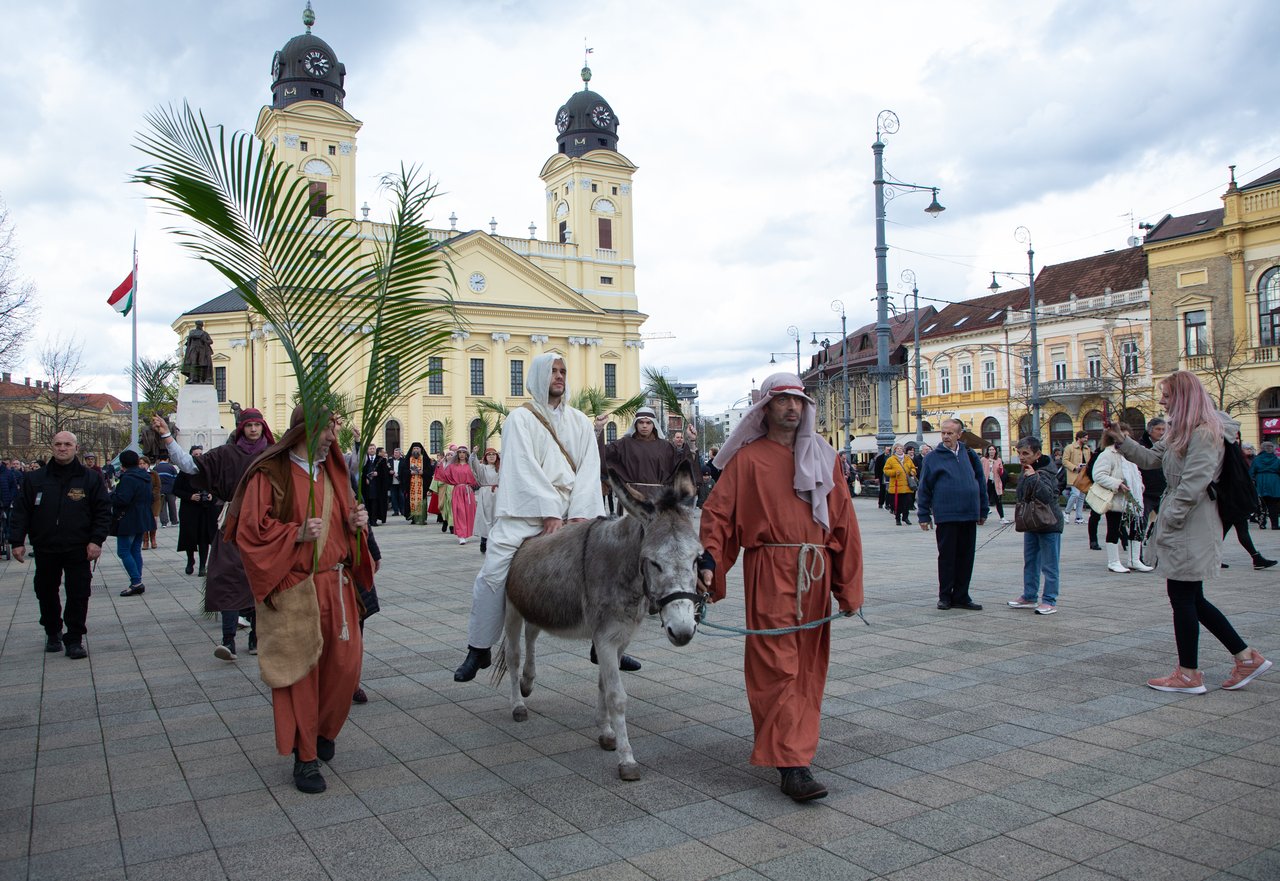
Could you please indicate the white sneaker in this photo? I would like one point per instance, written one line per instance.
(462, 541)
(242, 623)
(1046, 609)
(1005, 520)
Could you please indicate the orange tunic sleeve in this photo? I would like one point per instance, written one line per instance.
(845, 546)
(273, 557)
(719, 532)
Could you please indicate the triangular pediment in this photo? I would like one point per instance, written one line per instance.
(610, 355)
(517, 350)
(507, 278)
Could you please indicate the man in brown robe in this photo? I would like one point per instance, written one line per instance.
(782, 498)
(643, 457)
(276, 530)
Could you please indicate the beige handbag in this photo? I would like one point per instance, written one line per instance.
(289, 637)
(1099, 498)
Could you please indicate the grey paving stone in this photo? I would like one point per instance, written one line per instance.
(561, 856)
(941, 868)
(812, 862)
(881, 851)
(98, 860)
(1066, 839)
(459, 843)
(690, 861)
(287, 855)
(941, 830)
(1136, 861)
(1011, 859)
(202, 866)
(496, 865)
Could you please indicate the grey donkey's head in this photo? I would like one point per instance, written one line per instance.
(669, 550)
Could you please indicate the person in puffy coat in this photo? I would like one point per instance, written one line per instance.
(131, 499)
(1187, 541)
(1124, 515)
(899, 472)
(1265, 472)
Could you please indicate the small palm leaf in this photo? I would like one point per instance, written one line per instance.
(658, 387)
(626, 410)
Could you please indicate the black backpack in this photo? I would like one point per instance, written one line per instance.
(1234, 489)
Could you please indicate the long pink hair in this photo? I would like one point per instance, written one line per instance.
(1189, 408)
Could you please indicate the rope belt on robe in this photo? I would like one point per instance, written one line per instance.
(344, 635)
(811, 566)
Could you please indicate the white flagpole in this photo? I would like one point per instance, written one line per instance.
(133, 428)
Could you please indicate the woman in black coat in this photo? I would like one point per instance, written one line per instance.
(198, 519)
(131, 500)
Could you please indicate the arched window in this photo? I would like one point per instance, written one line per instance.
(392, 436)
(1093, 427)
(478, 435)
(1135, 420)
(1269, 414)
(435, 442)
(611, 432)
(1060, 431)
(1269, 307)
(990, 432)
(926, 425)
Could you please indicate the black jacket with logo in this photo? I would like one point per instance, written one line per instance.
(61, 508)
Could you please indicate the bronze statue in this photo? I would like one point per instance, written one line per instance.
(197, 361)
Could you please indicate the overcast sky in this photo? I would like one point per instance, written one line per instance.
(751, 123)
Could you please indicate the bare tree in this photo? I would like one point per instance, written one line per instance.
(17, 296)
(60, 403)
(1224, 378)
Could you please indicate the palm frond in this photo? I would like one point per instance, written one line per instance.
(253, 223)
(407, 327)
(591, 400)
(492, 414)
(658, 387)
(626, 410)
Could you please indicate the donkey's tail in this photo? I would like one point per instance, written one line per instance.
(499, 665)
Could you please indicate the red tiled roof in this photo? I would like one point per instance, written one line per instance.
(1121, 270)
(862, 341)
(1187, 225)
(16, 391)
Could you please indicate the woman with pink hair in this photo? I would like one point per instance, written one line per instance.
(1187, 542)
(463, 503)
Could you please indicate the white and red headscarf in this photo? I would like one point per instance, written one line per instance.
(815, 458)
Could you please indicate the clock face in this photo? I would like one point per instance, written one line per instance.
(477, 282)
(562, 119)
(277, 66)
(316, 63)
(601, 116)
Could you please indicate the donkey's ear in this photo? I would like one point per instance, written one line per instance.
(633, 501)
(682, 481)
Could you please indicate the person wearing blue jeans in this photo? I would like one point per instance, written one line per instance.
(1040, 549)
(131, 501)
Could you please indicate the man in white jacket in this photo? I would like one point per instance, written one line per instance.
(550, 476)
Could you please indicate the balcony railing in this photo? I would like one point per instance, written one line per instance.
(1057, 388)
(1108, 300)
(1265, 354)
(1197, 362)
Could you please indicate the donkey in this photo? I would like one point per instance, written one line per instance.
(599, 579)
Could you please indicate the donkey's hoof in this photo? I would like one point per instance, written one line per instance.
(520, 714)
(608, 742)
(629, 771)
(526, 689)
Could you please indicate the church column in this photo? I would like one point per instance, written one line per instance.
(629, 369)
(499, 385)
(459, 388)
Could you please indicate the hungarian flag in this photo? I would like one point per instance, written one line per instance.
(121, 298)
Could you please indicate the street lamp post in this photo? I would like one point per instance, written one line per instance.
(910, 278)
(1023, 236)
(794, 332)
(838, 306)
(887, 124)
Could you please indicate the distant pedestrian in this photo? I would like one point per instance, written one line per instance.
(168, 473)
(199, 523)
(993, 468)
(64, 509)
(1265, 472)
(953, 492)
(487, 471)
(1041, 548)
(1118, 474)
(1075, 458)
(132, 501)
(462, 500)
(1188, 539)
(900, 474)
(877, 467)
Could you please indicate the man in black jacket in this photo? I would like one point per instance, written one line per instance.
(376, 474)
(877, 467)
(64, 508)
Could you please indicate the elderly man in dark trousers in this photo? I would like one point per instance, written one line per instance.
(953, 494)
(64, 508)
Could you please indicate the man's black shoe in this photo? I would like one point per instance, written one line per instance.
(75, 651)
(477, 660)
(133, 590)
(53, 642)
(944, 604)
(626, 663)
(191, 568)
(1094, 546)
(307, 777)
(1261, 562)
(969, 605)
(798, 783)
(325, 749)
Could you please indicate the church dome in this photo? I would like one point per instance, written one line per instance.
(307, 69)
(586, 122)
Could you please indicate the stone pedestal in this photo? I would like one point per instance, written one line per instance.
(198, 419)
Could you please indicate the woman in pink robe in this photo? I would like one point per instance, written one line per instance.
(460, 476)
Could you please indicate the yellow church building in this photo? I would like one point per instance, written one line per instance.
(573, 294)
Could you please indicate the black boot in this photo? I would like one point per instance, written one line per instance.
(444, 527)
(484, 545)
(477, 660)
(798, 783)
(626, 663)
(191, 565)
(53, 642)
(324, 749)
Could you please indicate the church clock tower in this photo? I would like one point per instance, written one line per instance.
(588, 191)
(307, 123)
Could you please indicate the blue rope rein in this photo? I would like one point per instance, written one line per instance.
(770, 631)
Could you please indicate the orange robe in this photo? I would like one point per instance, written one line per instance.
(318, 703)
(753, 505)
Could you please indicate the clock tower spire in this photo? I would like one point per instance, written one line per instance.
(307, 123)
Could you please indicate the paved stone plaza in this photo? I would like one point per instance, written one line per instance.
(956, 745)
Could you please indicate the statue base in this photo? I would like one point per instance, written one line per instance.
(199, 420)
